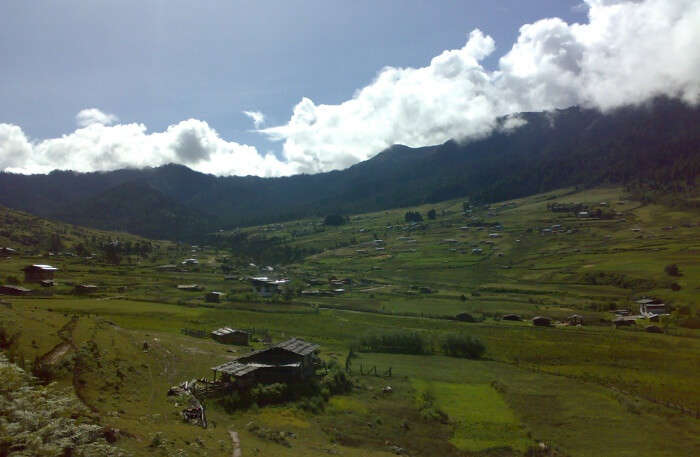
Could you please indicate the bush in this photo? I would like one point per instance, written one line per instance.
(336, 381)
(413, 216)
(398, 342)
(269, 394)
(463, 346)
(12, 280)
(431, 214)
(672, 270)
(429, 411)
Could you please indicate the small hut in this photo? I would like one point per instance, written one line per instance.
(624, 321)
(14, 290)
(6, 252)
(85, 289)
(575, 319)
(541, 321)
(213, 297)
(38, 273)
(228, 335)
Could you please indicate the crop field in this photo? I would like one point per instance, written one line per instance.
(561, 390)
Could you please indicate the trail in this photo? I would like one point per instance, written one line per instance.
(236, 443)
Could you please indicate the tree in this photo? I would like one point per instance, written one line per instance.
(413, 216)
(55, 244)
(431, 214)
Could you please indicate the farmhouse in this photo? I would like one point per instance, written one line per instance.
(14, 290)
(651, 307)
(38, 273)
(228, 335)
(213, 297)
(190, 262)
(291, 360)
(190, 287)
(265, 286)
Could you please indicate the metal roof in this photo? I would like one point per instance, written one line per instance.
(234, 368)
(42, 267)
(226, 330)
(298, 346)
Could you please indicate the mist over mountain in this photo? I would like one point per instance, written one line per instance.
(652, 144)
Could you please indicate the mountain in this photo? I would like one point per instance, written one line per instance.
(656, 145)
(137, 207)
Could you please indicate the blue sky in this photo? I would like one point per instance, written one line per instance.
(160, 63)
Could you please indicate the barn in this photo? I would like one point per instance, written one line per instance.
(38, 273)
(289, 361)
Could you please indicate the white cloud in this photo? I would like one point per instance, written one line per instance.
(101, 147)
(628, 52)
(94, 116)
(257, 117)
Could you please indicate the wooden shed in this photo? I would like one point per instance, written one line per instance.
(291, 360)
(85, 289)
(228, 335)
(213, 297)
(38, 272)
(14, 290)
(541, 321)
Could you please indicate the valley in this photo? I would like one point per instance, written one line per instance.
(560, 390)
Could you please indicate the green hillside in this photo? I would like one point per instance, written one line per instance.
(562, 390)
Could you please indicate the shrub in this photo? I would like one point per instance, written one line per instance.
(398, 342)
(269, 394)
(464, 346)
(413, 216)
(672, 270)
(12, 280)
(429, 411)
(336, 381)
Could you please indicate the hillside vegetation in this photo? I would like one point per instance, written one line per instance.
(564, 390)
(651, 148)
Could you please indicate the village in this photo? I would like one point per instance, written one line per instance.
(494, 295)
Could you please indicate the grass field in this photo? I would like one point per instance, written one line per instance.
(589, 390)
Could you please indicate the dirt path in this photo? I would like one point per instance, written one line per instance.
(236, 443)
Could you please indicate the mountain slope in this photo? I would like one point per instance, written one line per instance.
(657, 144)
(137, 207)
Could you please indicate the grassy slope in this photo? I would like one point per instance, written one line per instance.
(542, 384)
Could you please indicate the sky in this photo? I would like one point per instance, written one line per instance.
(274, 88)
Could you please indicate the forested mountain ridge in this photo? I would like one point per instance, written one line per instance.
(657, 144)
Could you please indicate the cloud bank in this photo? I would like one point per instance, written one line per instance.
(628, 52)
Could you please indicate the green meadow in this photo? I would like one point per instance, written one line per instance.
(563, 390)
